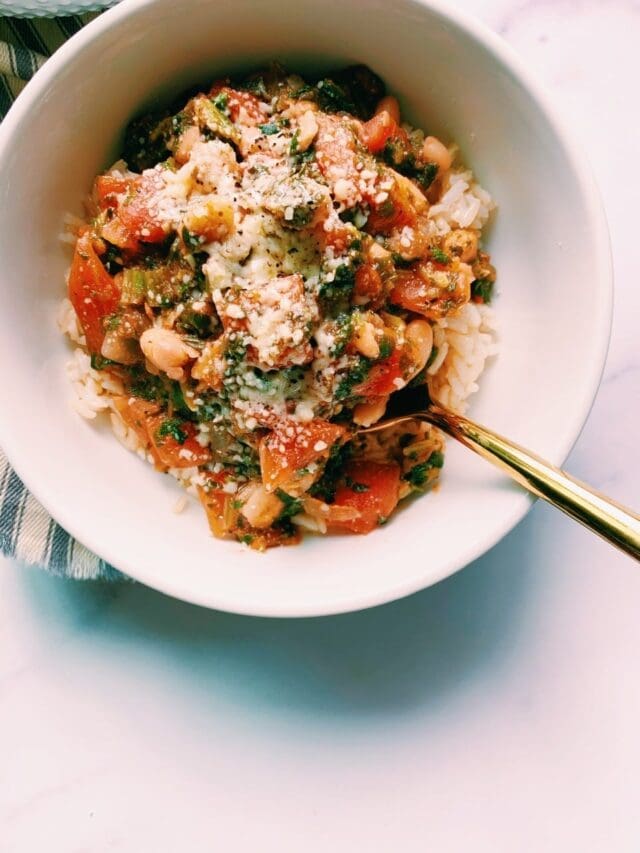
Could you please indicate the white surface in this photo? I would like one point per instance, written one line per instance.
(497, 711)
(549, 242)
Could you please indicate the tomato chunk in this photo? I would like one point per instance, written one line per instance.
(136, 220)
(368, 286)
(176, 447)
(292, 446)
(382, 378)
(432, 289)
(218, 504)
(107, 188)
(92, 291)
(373, 489)
(225, 520)
(398, 210)
(376, 132)
(242, 107)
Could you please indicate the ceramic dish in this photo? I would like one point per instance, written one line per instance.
(549, 242)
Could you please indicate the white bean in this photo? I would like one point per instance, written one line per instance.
(261, 508)
(371, 411)
(166, 350)
(434, 151)
(365, 340)
(419, 335)
(308, 129)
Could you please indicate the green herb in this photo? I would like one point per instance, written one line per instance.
(438, 255)
(176, 398)
(363, 86)
(134, 286)
(221, 102)
(236, 351)
(343, 332)
(418, 475)
(336, 294)
(400, 262)
(432, 357)
(145, 141)
(398, 153)
(419, 379)
(146, 386)
(353, 377)
(426, 175)
(325, 488)
(112, 258)
(191, 241)
(247, 539)
(292, 506)
(269, 129)
(236, 504)
(98, 362)
(293, 145)
(386, 348)
(257, 87)
(333, 98)
(382, 519)
(216, 121)
(178, 123)
(172, 428)
(245, 462)
(210, 410)
(111, 322)
(482, 289)
(356, 487)
(192, 322)
(387, 208)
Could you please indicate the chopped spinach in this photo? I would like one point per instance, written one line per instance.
(145, 141)
(482, 289)
(335, 294)
(146, 386)
(98, 362)
(325, 488)
(191, 241)
(398, 153)
(292, 506)
(386, 348)
(438, 255)
(221, 102)
(176, 398)
(418, 475)
(432, 357)
(357, 374)
(171, 428)
(356, 487)
(342, 335)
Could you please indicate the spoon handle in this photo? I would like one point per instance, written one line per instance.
(610, 520)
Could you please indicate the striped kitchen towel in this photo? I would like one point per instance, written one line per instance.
(27, 531)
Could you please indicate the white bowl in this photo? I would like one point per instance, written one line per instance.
(549, 242)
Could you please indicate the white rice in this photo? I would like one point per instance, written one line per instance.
(464, 341)
(464, 204)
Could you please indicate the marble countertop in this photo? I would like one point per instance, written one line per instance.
(496, 711)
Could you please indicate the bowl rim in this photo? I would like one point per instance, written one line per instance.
(501, 53)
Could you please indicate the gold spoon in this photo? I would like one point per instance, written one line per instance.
(608, 519)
